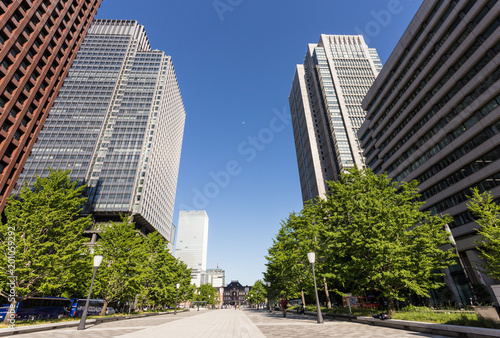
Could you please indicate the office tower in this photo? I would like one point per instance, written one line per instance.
(117, 125)
(325, 103)
(38, 43)
(433, 116)
(214, 277)
(192, 241)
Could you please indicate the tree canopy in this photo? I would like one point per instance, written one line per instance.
(487, 214)
(45, 251)
(369, 234)
(258, 293)
(44, 223)
(208, 293)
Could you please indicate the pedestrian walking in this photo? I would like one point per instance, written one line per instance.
(284, 305)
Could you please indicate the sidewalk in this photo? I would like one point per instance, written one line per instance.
(226, 323)
(249, 323)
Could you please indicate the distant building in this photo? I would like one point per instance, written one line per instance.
(214, 277)
(325, 104)
(235, 293)
(433, 115)
(118, 125)
(39, 40)
(192, 242)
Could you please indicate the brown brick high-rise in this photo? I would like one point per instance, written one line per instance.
(39, 40)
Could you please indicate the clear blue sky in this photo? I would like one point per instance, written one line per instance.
(235, 65)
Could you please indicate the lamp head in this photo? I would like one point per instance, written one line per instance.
(97, 260)
(311, 256)
(177, 286)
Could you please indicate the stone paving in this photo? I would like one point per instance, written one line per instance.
(228, 324)
(275, 326)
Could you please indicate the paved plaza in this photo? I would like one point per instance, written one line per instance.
(226, 324)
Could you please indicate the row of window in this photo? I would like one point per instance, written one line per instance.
(486, 185)
(424, 44)
(483, 111)
(486, 33)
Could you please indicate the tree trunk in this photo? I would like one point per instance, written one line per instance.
(328, 301)
(303, 298)
(11, 311)
(104, 307)
(390, 307)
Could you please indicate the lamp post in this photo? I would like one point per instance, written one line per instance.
(97, 262)
(258, 307)
(269, 297)
(311, 256)
(177, 286)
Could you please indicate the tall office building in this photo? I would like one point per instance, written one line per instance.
(214, 277)
(117, 125)
(192, 242)
(325, 103)
(38, 43)
(433, 115)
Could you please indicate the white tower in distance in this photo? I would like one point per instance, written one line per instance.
(192, 241)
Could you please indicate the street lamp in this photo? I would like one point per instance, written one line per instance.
(97, 262)
(177, 286)
(258, 307)
(311, 256)
(269, 297)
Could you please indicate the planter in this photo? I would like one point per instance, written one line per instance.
(488, 312)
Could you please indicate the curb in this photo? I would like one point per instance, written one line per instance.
(432, 328)
(54, 326)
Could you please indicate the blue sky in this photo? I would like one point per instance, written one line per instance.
(235, 61)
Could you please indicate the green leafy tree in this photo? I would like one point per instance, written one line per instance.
(488, 218)
(158, 270)
(285, 263)
(258, 293)
(288, 268)
(377, 239)
(45, 234)
(182, 275)
(122, 270)
(208, 293)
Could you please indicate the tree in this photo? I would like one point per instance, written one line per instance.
(488, 218)
(377, 239)
(162, 272)
(45, 234)
(286, 267)
(208, 293)
(258, 293)
(122, 269)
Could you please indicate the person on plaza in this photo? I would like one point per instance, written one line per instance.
(284, 305)
(301, 309)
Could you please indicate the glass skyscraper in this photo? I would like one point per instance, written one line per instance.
(325, 103)
(192, 242)
(117, 125)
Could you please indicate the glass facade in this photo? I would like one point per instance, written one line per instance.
(325, 103)
(117, 125)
